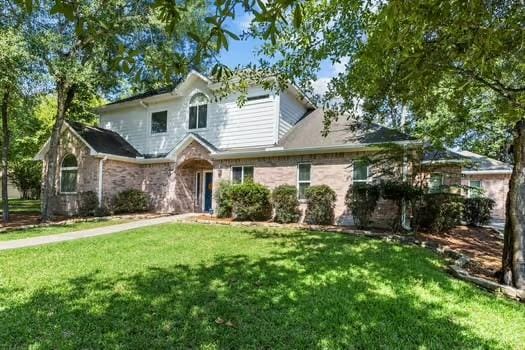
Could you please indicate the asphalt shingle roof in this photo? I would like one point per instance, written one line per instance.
(105, 141)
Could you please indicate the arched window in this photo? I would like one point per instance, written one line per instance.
(68, 174)
(198, 111)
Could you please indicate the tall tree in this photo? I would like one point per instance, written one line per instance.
(453, 67)
(14, 61)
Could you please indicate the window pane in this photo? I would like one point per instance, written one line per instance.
(193, 117)
(203, 115)
(69, 161)
(476, 189)
(159, 122)
(360, 172)
(68, 181)
(248, 173)
(198, 99)
(436, 180)
(304, 172)
(237, 174)
(302, 188)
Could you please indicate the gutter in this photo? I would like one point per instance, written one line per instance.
(280, 151)
(485, 172)
(100, 179)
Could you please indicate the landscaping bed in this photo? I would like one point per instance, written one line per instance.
(483, 245)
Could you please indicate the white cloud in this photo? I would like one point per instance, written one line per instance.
(320, 86)
(245, 21)
(341, 66)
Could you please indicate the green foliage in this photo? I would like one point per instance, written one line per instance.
(88, 203)
(131, 201)
(439, 212)
(401, 193)
(477, 210)
(224, 200)
(361, 199)
(26, 175)
(286, 204)
(251, 201)
(320, 202)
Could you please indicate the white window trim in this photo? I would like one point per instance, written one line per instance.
(303, 181)
(367, 180)
(68, 168)
(207, 104)
(242, 171)
(151, 122)
(442, 182)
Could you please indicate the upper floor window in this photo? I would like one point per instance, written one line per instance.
(159, 122)
(435, 183)
(303, 178)
(360, 172)
(242, 174)
(68, 174)
(198, 111)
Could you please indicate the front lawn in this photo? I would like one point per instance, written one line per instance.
(198, 286)
(56, 229)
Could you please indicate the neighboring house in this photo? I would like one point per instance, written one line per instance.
(470, 174)
(177, 146)
(12, 191)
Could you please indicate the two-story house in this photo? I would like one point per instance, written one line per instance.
(177, 145)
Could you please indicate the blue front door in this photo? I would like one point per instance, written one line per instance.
(208, 190)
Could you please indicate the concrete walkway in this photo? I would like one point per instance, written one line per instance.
(106, 230)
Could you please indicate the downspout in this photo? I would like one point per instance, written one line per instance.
(100, 179)
(404, 220)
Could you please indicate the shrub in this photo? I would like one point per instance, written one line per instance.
(286, 204)
(440, 211)
(400, 192)
(251, 201)
(88, 203)
(223, 199)
(131, 201)
(361, 199)
(477, 210)
(320, 205)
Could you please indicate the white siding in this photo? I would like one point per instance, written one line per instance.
(228, 125)
(290, 111)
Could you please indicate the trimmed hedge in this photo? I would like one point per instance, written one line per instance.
(251, 201)
(320, 205)
(88, 203)
(131, 201)
(286, 204)
(439, 212)
(361, 199)
(477, 210)
(224, 200)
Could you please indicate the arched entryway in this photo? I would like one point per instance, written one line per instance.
(195, 185)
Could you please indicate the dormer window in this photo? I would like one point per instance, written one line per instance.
(198, 112)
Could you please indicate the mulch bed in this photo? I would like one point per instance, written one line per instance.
(17, 220)
(484, 246)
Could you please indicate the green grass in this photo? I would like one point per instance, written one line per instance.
(53, 230)
(20, 206)
(195, 286)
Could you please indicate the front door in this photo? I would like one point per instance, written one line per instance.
(208, 189)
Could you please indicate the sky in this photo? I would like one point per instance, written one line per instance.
(243, 52)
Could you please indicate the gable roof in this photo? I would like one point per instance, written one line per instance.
(189, 138)
(471, 162)
(307, 133)
(104, 141)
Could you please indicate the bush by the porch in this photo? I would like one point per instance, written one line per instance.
(131, 201)
(224, 200)
(286, 204)
(439, 212)
(320, 205)
(477, 210)
(361, 199)
(251, 201)
(400, 192)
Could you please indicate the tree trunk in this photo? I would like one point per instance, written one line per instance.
(5, 155)
(65, 94)
(513, 263)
